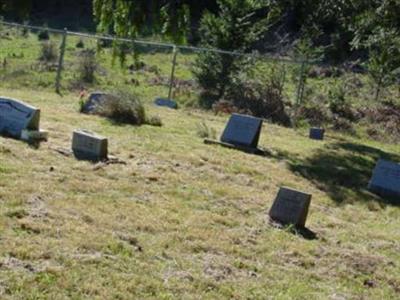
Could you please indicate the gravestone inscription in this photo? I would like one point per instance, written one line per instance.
(317, 133)
(15, 116)
(166, 102)
(290, 207)
(89, 146)
(385, 180)
(242, 130)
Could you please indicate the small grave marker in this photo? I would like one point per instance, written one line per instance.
(317, 133)
(16, 116)
(166, 102)
(291, 207)
(89, 146)
(386, 179)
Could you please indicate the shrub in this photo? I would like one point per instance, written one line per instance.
(80, 44)
(259, 95)
(87, 65)
(43, 35)
(204, 131)
(314, 112)
(154, 121)
(339, 105)
(123, 107)
(48, 52)
(237, 27)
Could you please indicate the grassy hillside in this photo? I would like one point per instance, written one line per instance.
(185, 220)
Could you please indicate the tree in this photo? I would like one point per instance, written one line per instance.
(377, 29)
(128, 18)
(237, 27)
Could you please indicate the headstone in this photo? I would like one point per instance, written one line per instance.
(89, 146)
(166, 102)
(386, 179)
(317, 133)
(242, 130)
(95, 99)
(15, 116)
(291, 207)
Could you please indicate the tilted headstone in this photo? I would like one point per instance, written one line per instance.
(317, 133)
(386, 179)
(89, 146)
(290, 207)
(166, 102)
(15, 116)
(95, 100)
(242, 130)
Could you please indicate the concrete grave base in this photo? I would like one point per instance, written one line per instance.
(34, 135)
(250, 150)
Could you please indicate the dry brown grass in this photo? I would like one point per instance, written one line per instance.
(184, 220)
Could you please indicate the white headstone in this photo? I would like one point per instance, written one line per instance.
(15, 116)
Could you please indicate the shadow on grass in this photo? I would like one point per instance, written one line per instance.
(343, 170)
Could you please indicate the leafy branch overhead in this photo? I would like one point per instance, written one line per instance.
(131, 18)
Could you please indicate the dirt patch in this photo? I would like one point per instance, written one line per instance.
(15, 264)
(37, 207)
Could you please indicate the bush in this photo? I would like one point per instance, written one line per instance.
(314, 112)
(48, 52)
(154, 121)
(259, 95)
(123, 107)
(80, 44)
(87, 65)
(43, 35)
(339, 105)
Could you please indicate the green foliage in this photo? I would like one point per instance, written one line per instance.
(87, 65)
(124, 107)
(236, 28)
(48, 52)
(43, 35)
(260, 94)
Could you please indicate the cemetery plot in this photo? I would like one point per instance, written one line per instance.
(386, 179)
(290, 207)
(242, 132)
(89, 146)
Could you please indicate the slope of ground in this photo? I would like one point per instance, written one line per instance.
(185, 220)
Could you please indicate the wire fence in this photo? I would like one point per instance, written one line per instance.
(40, 57)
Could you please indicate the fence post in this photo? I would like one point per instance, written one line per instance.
(300, 87)
(61, 60)
(172, 79)
(300, 91)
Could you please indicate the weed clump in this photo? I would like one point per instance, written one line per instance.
(43, 35)
(87, 65)
(48, 52)
(125, 107)
(204, 131)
